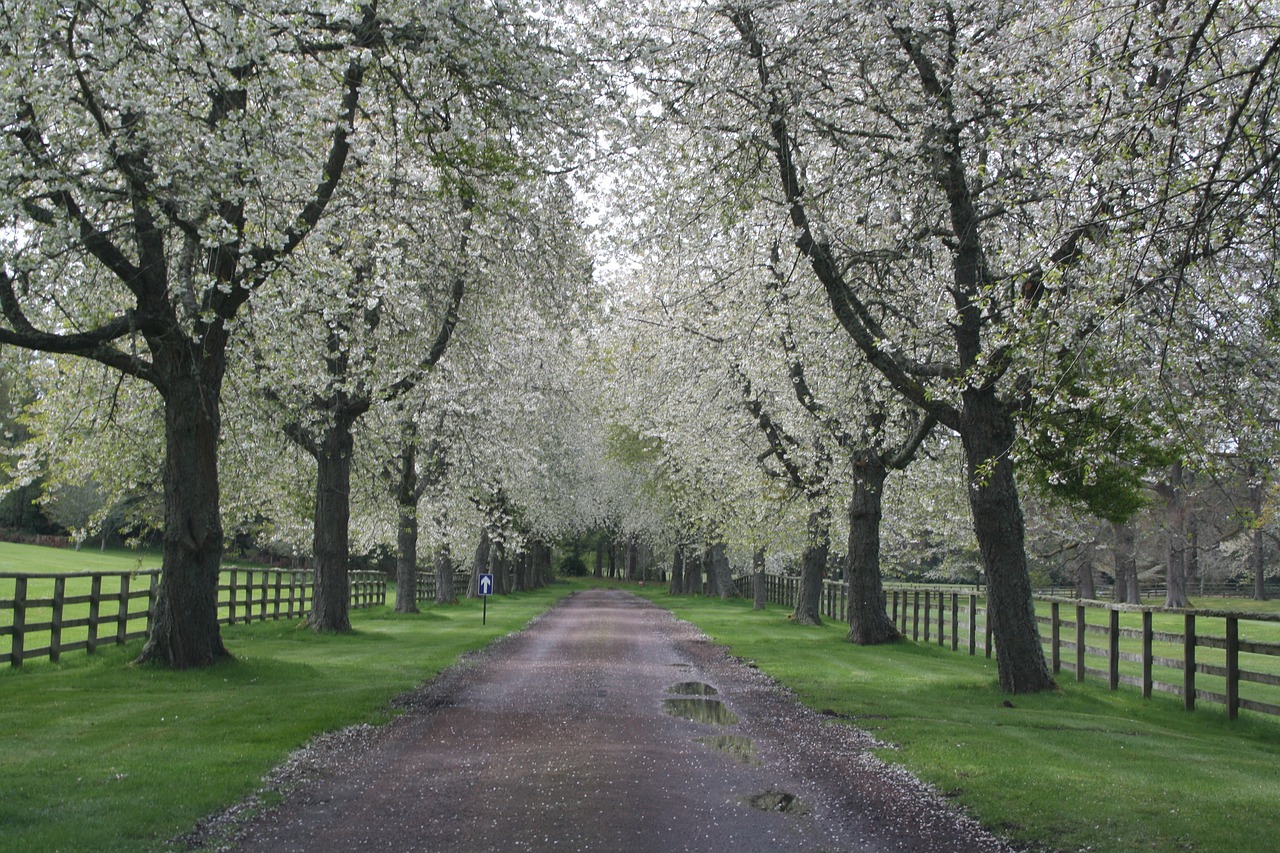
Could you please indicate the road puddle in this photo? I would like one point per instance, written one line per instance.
(778, 801)
(692, 688)
(741, 748)
(711, 711)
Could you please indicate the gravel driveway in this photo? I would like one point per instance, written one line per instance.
(606, 725)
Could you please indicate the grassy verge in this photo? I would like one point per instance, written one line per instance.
(96, 755)
(1081, 769)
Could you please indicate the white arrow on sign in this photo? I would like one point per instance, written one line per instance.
(486, 584)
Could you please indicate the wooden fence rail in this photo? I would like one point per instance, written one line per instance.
(1135, 654)
(427, 585)
(43, 616)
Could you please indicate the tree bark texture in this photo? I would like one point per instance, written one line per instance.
(407, 495)
(479, 564)
(692, 571)
(988, 436)
(812, 565)
(499, 564)
(757, 580)
(1175, 519)
(331, 551)
(1084, 578)
(869, 623)
(719, 566)
(444, 577)
(184, 629)
(407, 561)
(1125, 555)
(676, 586)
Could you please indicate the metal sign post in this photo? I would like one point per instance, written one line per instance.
(485, 587)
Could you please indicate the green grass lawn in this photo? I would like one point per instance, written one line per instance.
(1080, 769)
(37, 559)
(97, 755)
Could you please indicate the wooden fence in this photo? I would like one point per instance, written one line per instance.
(427, 585)
(43, 616)
(1203, 659)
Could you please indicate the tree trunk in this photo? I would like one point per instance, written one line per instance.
(633, 554)
(988, 436)
(520, 575)
(1084, 580)
(407, 532)
(692, 571)
(757, 580)
(331, 601)
(407, 561)
(184, 628)
(1175, 517)
(812, 565)
(444, 577)
(1125, 555)
(723, 572)
(479, 565)
(600, 548)
(676, 586)
(869, 623)
(1257, 550)
(498, 566)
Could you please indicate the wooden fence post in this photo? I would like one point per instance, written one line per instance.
(122, 618)
(1080, 642)
(973, 623)
(19, 621)
(1055, 637)
(1189, 662)
(955, 621)
(942, 616)
(1233, 667)
(1147, 636)
(927, 612)
(95, 606)
(55, 623)
(1113, 648)
(915, 615)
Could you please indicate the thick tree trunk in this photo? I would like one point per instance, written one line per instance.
(407, 560)
(757, 580)
(499, 564)
(692, 571)
(331, 601)
(869, 622)
(444, 577)
(1125, 555)
(988, 436)
(723, 572)
(520, 575)
(812, 565)
(407, 531)
(1084, 580)
(184, 628)
(676, 587)
(1175, 517)
(543, 568)
(600, 548)
(479, 564)
(712, 587)
(633, 561)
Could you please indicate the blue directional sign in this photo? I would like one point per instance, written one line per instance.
(486, 584)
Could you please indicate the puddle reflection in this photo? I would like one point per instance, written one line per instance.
(740, 747)
(700, 711)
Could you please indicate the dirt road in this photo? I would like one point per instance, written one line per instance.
(607, 725)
